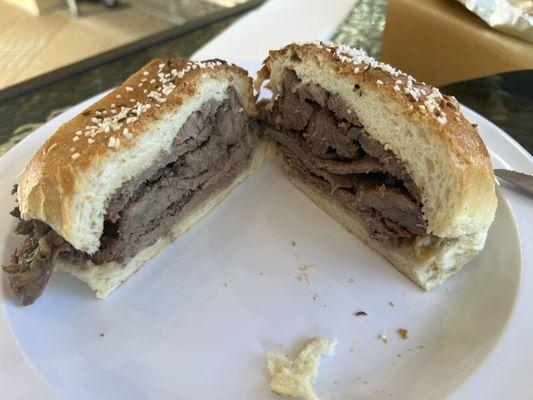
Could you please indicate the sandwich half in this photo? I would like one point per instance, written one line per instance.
(132, 172)
(391, 159)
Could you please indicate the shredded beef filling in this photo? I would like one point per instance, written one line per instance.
(33, 261)
(215, 144)
(326, 146)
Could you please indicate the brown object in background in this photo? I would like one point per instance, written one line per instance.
(440, 42)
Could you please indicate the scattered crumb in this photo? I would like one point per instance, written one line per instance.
(383, 338)
(409, 349)
(366, 382)
(293, 243)
(350, 280)
(391, 303)
(102, 334)
(261, 273)
(303, 275)
(398, 355)
(226, 284)
(323, 305)
(315, 296)
(351, 349)
(404, 333)
(420, 347)
(360, 314)
(296, 377)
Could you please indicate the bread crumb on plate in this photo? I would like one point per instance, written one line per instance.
(303, 274)
(296, 377)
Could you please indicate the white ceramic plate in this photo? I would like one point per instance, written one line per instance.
(198, 319)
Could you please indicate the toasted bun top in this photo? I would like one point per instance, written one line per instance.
(425, 129)
(71, 177)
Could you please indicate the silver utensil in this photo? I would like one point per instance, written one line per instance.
(519, 179)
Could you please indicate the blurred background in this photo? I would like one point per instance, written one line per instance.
(56, 53)
(39, 36)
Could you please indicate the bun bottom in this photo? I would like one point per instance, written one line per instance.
(428, 261)
(103, 279)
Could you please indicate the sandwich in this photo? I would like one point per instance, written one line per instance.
(117, 183)
(391, 159)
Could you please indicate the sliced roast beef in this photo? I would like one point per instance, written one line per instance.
(394, 205)
(218, 142)
(33, 261)
(329, 149)
(390, 163)
(296, 144)
(325, 133)
(290, 82)
(297, 113)
(150, 216)
(313, 93)
(342, 111)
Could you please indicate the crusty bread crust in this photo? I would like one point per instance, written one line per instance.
(441, 149)
(65, 183)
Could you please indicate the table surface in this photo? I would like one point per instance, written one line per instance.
(499, 98)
